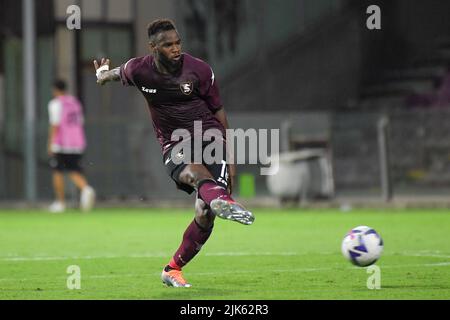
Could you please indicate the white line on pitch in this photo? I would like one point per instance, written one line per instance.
(152, 274)
(212, 254)
(151, 255)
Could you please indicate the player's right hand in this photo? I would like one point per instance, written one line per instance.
(101, 69)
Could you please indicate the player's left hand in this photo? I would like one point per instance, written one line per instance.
(100, 69)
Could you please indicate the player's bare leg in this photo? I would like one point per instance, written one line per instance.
(78, 179)
(214, 195)
(87, 199)
(58, 187)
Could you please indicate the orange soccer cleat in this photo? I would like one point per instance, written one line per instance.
(174, 278)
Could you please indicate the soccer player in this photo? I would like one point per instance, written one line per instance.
(180, 89)
(66, 144)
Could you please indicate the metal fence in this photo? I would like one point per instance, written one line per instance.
(418, 150)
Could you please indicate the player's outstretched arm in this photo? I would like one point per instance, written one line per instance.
(103, 73)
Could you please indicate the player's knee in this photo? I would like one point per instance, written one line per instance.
(193, 175)
(187, 177)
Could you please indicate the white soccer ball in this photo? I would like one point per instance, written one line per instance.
(362, 246)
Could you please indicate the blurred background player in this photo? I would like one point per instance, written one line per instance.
(66, 144)
(179, 90)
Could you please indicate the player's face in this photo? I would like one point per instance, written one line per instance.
(55, 92)
(168, 46)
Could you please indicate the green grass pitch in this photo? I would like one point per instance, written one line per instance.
(286, 254)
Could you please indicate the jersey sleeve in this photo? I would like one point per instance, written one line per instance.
(54, 112)
(126, 73)
(209, 90)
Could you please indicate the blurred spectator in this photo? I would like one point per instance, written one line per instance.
(66, 144)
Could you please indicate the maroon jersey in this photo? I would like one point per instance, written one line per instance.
(175, 101)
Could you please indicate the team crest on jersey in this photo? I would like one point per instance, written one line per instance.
(180, 155)
(187, 87)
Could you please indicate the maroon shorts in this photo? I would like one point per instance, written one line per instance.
(218, 170)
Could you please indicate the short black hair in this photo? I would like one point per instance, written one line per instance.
(158, 26)
(60, 84)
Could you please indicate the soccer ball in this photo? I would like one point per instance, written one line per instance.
(362, 246)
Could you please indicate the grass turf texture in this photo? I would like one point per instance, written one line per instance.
(286, 254)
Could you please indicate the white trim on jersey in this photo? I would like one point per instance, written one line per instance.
(54, 112)
(212, 77)
(125, 66)
(58, 149)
